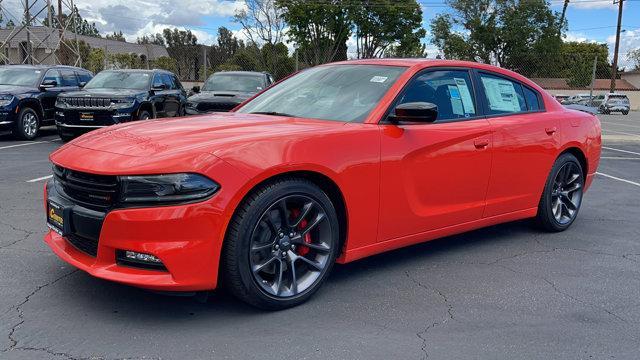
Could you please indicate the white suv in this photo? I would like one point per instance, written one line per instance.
(614, 102)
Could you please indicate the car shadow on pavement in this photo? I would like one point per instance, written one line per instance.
(126, 302)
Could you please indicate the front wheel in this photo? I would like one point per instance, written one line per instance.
(281, 244)
(144, 115)
(562, 196)
(27, 125)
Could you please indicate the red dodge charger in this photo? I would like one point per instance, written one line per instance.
(333, 164)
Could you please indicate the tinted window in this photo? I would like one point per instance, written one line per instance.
(234, 82)
(84, 77)
(120, 80)
(69, 78)
(503, 96)
(53, 75)
(168, 81)
(451, 91)
(533, 101)
(330, 92)
(177, 82)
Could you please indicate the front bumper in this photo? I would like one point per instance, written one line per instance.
(7, 119)
(187, 238)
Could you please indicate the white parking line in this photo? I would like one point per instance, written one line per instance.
(619, 132)
(620, 150)
(40, 179)
(618, 124)
(28, 143)
(619, 158)
(619, 179)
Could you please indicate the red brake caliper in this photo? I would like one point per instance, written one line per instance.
(302, 250)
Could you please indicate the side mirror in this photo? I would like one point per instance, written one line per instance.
(47, 84)
(422, 112)
(82, 84)
(195, 89)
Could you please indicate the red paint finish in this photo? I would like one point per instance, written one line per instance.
(401, 184)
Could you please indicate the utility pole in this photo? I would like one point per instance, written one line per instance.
(614, 69)
(27, 19)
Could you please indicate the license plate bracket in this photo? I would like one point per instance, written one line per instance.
(58, 218)
(86, 116)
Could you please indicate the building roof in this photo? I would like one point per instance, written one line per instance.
(600, 84)
(47, 38)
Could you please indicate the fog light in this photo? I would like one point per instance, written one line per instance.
(132, 255)
(139, 260)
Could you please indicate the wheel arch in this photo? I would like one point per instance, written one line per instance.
(580, 155)
(33, 104)
(320, 179)
(146, 105)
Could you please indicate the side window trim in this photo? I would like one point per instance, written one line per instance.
(485, 102)
(480, 113)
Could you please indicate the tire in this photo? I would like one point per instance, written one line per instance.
(625, 113)
(144, 115)
(27, 125)
(258, 258)
(562, 196)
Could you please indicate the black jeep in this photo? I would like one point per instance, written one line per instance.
(28, 94)
(117, 96)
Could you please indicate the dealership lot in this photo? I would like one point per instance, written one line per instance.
(509, 291)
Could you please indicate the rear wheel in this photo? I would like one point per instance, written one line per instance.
(27, 125)
(281, 244)
(562, 196)
(625, 113)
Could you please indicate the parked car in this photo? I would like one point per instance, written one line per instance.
(28, 94)
(335, 163)
(578, 99)
(613, 102)
(225, 90)
(562, 99)
(117, 96)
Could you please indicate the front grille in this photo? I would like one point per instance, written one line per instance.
(98, 192)
(87, 102)
(86, 245)
(217, 106)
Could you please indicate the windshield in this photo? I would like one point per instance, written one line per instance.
(231, 82)
(19, 77)
(120, 80)
(333, 92)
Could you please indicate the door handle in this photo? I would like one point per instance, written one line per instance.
(551, 130)
(481, 143)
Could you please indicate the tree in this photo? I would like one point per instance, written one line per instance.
(182, 45)
(82, 27)
(118, 36)
(262, 21)
(379, 24)
(319, 28)
(155, 39)
(634, 57)
(509, 33)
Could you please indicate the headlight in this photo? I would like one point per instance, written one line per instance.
(122, 103)
(5, 100)
(61, 103)
(166, 189)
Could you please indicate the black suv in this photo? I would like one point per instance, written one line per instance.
(117, 96)
(225, 90)
(28, 94)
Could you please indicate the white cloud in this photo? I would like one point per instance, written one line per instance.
(629, 40)
(593, 4)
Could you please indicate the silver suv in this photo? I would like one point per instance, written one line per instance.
(613, 102)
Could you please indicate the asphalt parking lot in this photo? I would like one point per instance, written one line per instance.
(504, 292)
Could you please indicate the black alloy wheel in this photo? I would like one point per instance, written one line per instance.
(562, 197)
(281, 244)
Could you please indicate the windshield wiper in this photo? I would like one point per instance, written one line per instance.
(274, 113)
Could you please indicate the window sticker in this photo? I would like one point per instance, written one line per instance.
(465, 96)
(501, 94)
(456, 102)
(378, 79)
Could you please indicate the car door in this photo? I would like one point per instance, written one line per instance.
(525, 142)
(435, 175)
(49, 95)
(173, 95)
(158, 95)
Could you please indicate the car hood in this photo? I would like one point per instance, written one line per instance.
(153, 142)
(13, 89)
(103, 93)
(213, 96)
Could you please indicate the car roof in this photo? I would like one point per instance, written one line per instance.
(241, 73)
(41, 67)
(150, 71)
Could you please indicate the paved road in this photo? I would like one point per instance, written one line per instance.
(505, 292)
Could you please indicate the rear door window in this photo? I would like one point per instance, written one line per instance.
(53, 75)
(532, 98)
(168, 81)
(503, 96)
